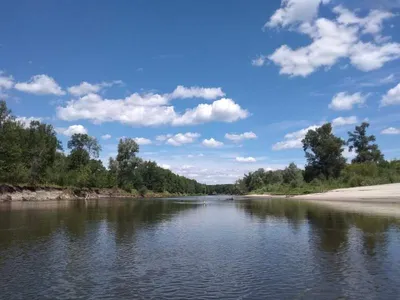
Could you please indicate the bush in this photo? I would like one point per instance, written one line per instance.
(143, 191)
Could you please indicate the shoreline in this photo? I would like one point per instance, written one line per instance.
(15, 193)
(387, 193)
(382, 200)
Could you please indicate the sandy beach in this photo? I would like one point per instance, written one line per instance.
(388, 193)
(378, 199)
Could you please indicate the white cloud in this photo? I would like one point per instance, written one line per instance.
(345, 101)
(182, 92)
(349, 155)
(295, 11)
(212, 143)
(223, 110)
(165, 166)
(240, 137)
(389, 79)
(180, 138)
(246, 159)
(391, 130)
(162, 138)
(6, 82)
(26, 121)
(368, 56)
(259, 61)
(370, 24)
(85, 88)
(293, 139)
(392, 97)
(40, 85)
(142, 141)
(148, 110)
(333, 40)
(71, 130)
(106, 137)
(342, 121)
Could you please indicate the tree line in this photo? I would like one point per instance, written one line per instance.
(33, 155)
(326, 166)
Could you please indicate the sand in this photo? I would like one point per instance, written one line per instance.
(377, 200)
(388, 193)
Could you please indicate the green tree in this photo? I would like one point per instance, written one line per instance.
(83, 148)
(363, 145)
(85, 142)
(324, 153)
(292, 175)
(127, 162)
(41, 147)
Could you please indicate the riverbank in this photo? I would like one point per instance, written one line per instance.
(381, 200)
(15, 193)
(387, 193)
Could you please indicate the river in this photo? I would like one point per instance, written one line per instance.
(196, 248)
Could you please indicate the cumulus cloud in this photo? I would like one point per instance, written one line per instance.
(223, 110)
(71, 130)
(349, 155)
(142, 141)
(182, 92)
(212, 143)
(371, 24)
(6, 82)
(85, 88)
(391, 130)
(259, 61)
(246, 159)
(106, 137)
(342, 121)
(148, 110)
(293, 140)
(346, 101)
(179, 139)
(333, 40)
(392, 97)
(26, 121)
(240, 137)
(40, 85)
(368, 56)
(295, 11)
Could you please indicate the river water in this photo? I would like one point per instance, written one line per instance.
(196, 248)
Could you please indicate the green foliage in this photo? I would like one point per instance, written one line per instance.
(363, 145)
(84, 142)
(323, 153)
(326, 168)
(32, 155)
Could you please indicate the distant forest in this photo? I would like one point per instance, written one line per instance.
(326, 166)
(33, 155)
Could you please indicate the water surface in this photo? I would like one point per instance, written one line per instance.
(196, 249)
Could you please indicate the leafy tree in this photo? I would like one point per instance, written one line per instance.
(292, 175)
(363, 145)
(42, 145)
(5, 113)
(85, 142)
(324, 153)
(127, 162)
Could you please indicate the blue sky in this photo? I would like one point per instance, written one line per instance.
(210, 89)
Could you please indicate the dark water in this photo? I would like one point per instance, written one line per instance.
(180, 249)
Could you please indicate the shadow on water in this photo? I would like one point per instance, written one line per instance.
(331, 227)
(39, 220)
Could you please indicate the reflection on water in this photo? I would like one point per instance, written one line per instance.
(197, 248)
